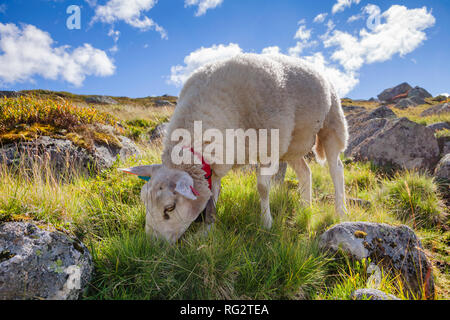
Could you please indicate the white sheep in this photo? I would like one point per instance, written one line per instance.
(248, 91)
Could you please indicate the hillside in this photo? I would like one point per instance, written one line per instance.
(238, 259)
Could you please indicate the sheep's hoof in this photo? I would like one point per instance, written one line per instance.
(267, 222)
(207, 229)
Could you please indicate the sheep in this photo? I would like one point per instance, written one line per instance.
(248, 91)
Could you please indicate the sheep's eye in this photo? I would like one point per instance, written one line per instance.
(168, 209)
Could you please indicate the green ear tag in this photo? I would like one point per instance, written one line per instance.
(144, 178)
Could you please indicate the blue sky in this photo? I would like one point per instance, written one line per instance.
(139, 48)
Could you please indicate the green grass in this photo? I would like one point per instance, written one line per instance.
(413, 198)
(238, 259)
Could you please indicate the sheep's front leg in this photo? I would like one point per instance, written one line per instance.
(210, 213)
(264, 191)
(303, 172)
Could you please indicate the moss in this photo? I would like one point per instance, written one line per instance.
(79, 140)
(106, 139)
(360, 234)
(25, 132)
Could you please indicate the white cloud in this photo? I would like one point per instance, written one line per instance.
(302, 33)
(202, 5)
(355, 17)
(344, 82)
(115, 34)
(200, 57)
(402, 33)
(130, 12)
(340, 5)
(29, 52)
(320, 17)
(91, 3)
(271, 50)
(445, 95)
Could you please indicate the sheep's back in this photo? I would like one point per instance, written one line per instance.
(259, 92)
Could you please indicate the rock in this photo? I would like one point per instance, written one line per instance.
(39, 264)
(372, 294)
(410, 102)
(159, 132)
(390, 141)
(9, 94)
(394, 248)
(64, 155)
(101, 100)
(443, 168)
(437, 110)
(439, 126)
(391, 93)
(347, 109)
(440, 98)
(419, 92)
(163, 103)
(444, 145)
(383, 112)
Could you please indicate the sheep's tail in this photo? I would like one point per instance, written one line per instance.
(319, 151)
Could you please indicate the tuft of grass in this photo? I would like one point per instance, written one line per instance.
(413, 198)
(353, 275)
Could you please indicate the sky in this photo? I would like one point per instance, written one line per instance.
(140, 48)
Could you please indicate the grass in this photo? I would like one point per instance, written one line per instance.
(105, 212)
(238, 259)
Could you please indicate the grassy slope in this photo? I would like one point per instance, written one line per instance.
(238, 259)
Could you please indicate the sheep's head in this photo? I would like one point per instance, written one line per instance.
(171, 200)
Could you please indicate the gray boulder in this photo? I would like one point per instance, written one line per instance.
(379, 137)
(372, 294)
(9, 94)
(439, 126)
(416, 96)
(437, 110)
(101, 100)
(443, 168)
(39, 264)
(391, 93)
(64, 156)
(419, 92)
(348, 109)
(159, 132)
(396, 249)
(440, 98)
(163, 103)
(410, 102)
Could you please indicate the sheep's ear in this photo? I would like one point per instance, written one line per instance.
(143, 171)
(185, 187)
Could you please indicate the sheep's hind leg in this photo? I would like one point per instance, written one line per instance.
(303, 172)
(336, 171)
(264, 191)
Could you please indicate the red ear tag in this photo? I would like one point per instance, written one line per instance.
(195, 191)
